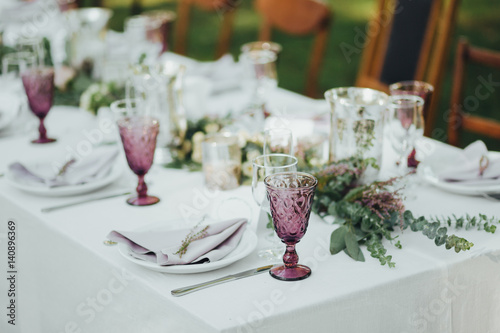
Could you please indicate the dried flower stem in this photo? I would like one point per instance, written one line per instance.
(191, 238)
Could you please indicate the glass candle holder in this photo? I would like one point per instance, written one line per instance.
(221, 156)
(358, 117)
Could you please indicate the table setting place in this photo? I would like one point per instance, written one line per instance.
(194, 174)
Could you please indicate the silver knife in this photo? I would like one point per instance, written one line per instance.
(195, 287)
(49, 209)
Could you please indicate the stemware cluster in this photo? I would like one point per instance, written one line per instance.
(277, 149)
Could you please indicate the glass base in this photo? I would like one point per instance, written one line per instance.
(300, 272)
(46, 140)
(145, 201)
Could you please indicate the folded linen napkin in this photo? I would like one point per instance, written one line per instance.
(160, 247)
(90, 168)
(466, 168)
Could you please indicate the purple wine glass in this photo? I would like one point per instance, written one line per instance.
(39, 86)
(290, 196)
(138, 134)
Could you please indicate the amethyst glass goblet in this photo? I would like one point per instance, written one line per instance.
(290, 196)
(138, 134)
(39, 86)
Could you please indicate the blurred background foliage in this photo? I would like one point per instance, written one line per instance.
(478, 20)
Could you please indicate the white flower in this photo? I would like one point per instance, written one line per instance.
(252, 154)
(186, 146)
(211, 128)
(198, 137)
(86, 100)
(243, 138)
(247, 168)
(104, 89)
(315, 162)
(196, 156)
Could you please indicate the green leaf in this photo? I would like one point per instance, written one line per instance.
(352, 247)
(332, 208)
(270, 224)
(337, 240)
(354, 193)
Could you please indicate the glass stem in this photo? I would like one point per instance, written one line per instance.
(142, 188)
(290, 258)
(41, 129)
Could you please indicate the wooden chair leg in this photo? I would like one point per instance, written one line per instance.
(225, 33)
(456, 113)
(318, 52)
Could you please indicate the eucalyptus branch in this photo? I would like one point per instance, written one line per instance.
(368, 214)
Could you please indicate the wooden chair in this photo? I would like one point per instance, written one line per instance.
(408, 40)
(225, 8)
(299, 17)
(458, 119)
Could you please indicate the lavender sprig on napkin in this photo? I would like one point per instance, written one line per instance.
(160, 247)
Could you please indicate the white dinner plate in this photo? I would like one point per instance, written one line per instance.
(431, 167)
(247, 244)
(60, 191)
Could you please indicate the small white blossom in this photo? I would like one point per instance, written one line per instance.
(247, 168)
(252, 154)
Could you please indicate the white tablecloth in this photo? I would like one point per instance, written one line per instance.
(68, 281)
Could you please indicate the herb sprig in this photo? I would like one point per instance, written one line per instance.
(370, 213)
(191, 237)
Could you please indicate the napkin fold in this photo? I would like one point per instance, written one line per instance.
(95, 166)
(466, 167)
(160, 247)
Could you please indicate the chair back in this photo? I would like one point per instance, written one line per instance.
(458, 120)
(408, 40)
(225, 8)
(299, 17)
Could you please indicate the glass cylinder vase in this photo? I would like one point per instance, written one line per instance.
(357, 120)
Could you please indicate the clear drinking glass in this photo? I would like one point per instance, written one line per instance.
(123, 108)
(263, 166)
(38, 83)
(278, 140)
(406, 125)
(166, 18)
(13, 64)
(221, 161)
(290, 196)
(259, 79)
(32, 45)
(138, 134)
(415, 88)
(159, 88)
(261, 45)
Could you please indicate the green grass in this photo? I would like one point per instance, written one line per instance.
(478, 20)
